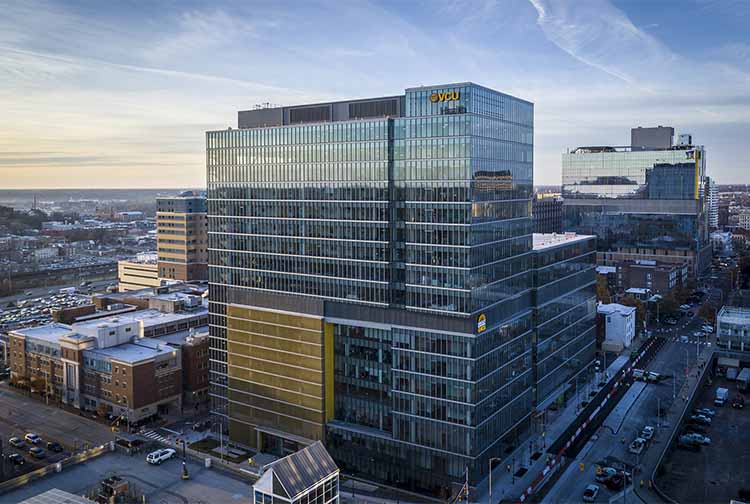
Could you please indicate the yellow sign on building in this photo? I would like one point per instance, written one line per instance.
(481, 323)
(446, 96)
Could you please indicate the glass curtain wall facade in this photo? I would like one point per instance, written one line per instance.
(411, 236)
(630, 199)
(564, 314)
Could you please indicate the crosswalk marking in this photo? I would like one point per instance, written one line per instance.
(155, 436)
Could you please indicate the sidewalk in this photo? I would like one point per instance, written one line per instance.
(672, 418)
(505, 485)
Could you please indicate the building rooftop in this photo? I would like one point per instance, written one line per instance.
(179, 338)
(147, 318)
(143, 258)
(132, 353)
(544, 241)
(734, 315)
(56, 496)
(302, 470)
(611, 308)
(48, 332)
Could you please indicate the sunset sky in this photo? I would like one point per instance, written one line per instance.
(120, 94)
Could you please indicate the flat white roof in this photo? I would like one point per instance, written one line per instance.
(734, 315)
(48, 332)
(135, 352)
(615, 308)
(548, 240)
(149, 318)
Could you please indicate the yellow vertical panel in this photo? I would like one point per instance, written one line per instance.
(328, 370)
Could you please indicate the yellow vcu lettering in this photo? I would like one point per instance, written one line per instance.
(445, 96)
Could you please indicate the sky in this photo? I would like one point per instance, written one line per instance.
(120, 94)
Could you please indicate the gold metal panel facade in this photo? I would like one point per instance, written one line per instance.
(276, 373)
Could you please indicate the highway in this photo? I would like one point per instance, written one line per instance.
(37, 292)
(638, 408)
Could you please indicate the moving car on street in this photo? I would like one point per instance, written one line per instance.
(590, 493)
(637, 446)
(159, 456)
(648, 433)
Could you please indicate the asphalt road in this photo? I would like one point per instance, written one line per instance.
(23, 413)
(637, 409)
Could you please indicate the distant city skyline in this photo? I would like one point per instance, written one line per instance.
(120, 95)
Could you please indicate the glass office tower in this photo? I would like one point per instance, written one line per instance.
(640, 202)
(370, 280)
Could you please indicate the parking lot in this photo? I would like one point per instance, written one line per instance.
(38, 310)
(161, 484)
(9, 470)
(717, 471)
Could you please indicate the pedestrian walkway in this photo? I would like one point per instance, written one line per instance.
(155, 436)
(505, 485)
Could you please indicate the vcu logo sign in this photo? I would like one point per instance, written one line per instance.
(444, 97)
(481, 323)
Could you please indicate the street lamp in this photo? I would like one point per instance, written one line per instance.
(492, 459)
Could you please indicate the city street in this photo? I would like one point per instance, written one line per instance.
(638, 408)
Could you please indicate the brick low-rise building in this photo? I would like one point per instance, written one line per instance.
(653, 276)
(135, 365)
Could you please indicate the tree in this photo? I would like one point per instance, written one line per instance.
(668, 305)
(640, 309)
(707, 312)
(602, 290)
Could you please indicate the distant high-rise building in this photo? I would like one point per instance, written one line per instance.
(712, 203)
(645, 201)
(182, 237)
(547, 211)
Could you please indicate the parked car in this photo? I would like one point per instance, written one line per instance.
(17, 442)
(738, 401)
(32, 438)
(705, 411)
(54, 446)
(16, 459)
(708, 329)
(590, 493)
(637, 446)
(37, 452)
(684, 339)
(701, 419)
(700, 438)
(159, 456)
(648, 433)
(695, 428)
(670, 321)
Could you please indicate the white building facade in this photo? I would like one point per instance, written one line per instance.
(619, 323)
